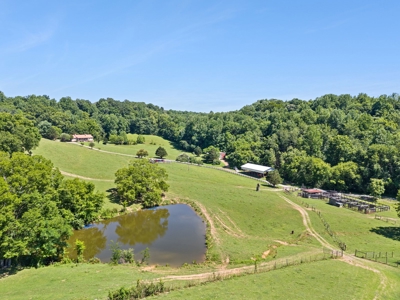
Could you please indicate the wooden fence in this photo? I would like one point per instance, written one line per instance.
(385, 219)
(221, 169)
(384, 257)
(340, 243)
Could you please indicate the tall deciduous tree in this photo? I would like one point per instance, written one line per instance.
(142, 153)
(376, 187)
(211, 154)
(274, 177)
(141, 182)
(32, 228)
(197, 151)
(17, 133)
(38, 209)
(79, 197)
(161, 152)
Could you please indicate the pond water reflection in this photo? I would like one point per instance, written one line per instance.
(175, 234)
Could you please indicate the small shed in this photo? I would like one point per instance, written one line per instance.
(313, 193)
(258, 169)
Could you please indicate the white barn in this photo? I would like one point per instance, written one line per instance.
(256, 168)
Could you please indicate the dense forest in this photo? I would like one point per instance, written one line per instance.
(346, 143)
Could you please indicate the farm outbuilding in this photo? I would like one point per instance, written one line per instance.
(82, 138)
(257, 169)
(313, 193)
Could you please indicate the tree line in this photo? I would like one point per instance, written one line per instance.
(339, 142)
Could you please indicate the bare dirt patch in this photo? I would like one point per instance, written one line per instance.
(265, 254)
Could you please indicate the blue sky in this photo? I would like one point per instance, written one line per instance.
(199, 55)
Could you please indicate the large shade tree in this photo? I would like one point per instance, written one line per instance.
(17, 133)
(141, 182)
(39, 209)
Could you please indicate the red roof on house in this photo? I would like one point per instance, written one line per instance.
(82, 136)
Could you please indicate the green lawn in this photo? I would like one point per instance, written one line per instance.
(325, 280)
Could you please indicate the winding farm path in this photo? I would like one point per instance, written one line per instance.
(84, 178)
(350, 259)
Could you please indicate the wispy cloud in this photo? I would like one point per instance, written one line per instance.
(20, 38)
(31, 41)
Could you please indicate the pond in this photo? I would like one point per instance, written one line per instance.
(174, 234)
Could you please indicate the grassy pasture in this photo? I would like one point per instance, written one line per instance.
(261, 217)
(338, 280)
(247, 223)
(257, 218)
(80, 160)
(83, 281)
(155, 141)
(357, 230)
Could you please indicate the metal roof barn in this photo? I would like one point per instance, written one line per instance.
(256, 168)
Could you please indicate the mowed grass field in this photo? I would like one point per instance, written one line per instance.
(247, 224)
(151, 144)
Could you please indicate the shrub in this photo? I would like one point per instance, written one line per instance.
(146, 256)
(197, 151)
(128, 256)
(65, 137)
(80, 248)
(141, 290)
(140, 139)
(183, 157)
(196, 160)
(94, 260)
(142, 153)
(115, 253)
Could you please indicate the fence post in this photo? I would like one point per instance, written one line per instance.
(355, 254)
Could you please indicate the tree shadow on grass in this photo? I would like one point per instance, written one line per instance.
(4, 272)
(389, 232)
(113, 196)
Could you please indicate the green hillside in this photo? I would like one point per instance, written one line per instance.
(245, 224)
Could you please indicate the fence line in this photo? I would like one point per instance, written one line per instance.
(273, 265)
(385, 219)
(340, 243)
(384, 257)
(219, 169)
